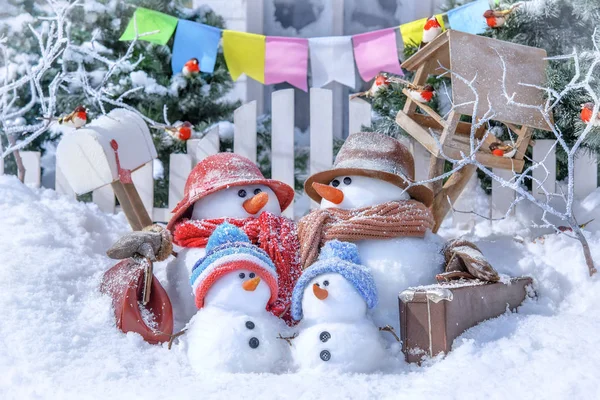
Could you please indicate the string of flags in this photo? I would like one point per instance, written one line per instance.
(272, 59)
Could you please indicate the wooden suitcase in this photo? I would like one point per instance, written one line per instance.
(431, 317)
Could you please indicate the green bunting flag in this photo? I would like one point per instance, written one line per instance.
(149, 21)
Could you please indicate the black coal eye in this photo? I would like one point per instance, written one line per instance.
(335, 183)
(347, 180)
(252, 275)
(242, 275)
(317, 285)
(325, 283)
(257, 191)
(242, 193)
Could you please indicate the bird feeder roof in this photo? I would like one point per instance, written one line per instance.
(473, 56)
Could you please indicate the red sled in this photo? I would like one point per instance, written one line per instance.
(124, 283)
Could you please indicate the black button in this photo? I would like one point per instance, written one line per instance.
(324, 336)
(253, 342)
(249, 324)
(325, 355)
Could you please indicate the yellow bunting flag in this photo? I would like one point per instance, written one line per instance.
(244, 53)
(412, 32)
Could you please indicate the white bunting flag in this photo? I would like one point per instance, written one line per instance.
(331, 59)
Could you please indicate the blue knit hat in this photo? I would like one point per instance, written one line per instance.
(341, 258)
(229, 249)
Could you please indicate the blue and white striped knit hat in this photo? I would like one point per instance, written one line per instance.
(229, 249)
(341, 258)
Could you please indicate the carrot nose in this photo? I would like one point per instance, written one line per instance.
(329, 193)
(256, 203)
(321, 294)
(251, 284)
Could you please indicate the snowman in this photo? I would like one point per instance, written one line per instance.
(229, 187)
(332, 298)
(232, 331)
(366, 199)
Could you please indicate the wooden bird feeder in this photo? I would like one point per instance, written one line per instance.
(473, 56)
(106, 152)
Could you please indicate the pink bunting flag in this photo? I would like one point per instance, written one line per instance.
(376, 52)
(286, 60)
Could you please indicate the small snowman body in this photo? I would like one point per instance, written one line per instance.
(232, 331)
(396, 263)
(332, 298)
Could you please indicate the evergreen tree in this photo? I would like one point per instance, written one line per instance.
(198, 100)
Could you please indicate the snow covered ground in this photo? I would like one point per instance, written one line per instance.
(58, 338)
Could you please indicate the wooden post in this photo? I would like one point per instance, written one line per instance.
(132, 205)
(436, 165)
(452, 189)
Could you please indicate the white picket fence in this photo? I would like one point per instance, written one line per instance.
(321, 156)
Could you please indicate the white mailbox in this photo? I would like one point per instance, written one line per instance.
(87, 159)
(105, 152)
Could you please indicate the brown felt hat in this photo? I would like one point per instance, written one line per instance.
(377, 156)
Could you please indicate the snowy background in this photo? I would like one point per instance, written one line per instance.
(59, 338)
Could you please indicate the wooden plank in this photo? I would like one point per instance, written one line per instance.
(207, 146)
(451, 190)
(321, 131)
(523, 141)
(502, 197)
(143, 179)
(428, 110)
(463, 128)
(523, 65)
(417, 132)
(487, 159)
(436, 165)
(104, 198)
(180, 166)
(244, 131)
(421, 156)
(359, 115)
(126, 206)
(544, 151)
(33, 171)
(428, 52)
(586, 174)
(282, 139)
(136, 204)
(419, 79)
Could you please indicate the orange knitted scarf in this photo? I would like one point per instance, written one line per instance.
(388, 220)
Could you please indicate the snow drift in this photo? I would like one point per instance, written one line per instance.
(59, 338)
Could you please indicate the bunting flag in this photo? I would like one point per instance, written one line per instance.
(194, 40)
(376, 52)
(273, 60)
(149, 21)
(244, 53)
(286, 60)
(331, 60)
(469, 18)
(412, 32)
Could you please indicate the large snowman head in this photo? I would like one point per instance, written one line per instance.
(336, 288)
(237, 202)
(353, 191)
(242, 290)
